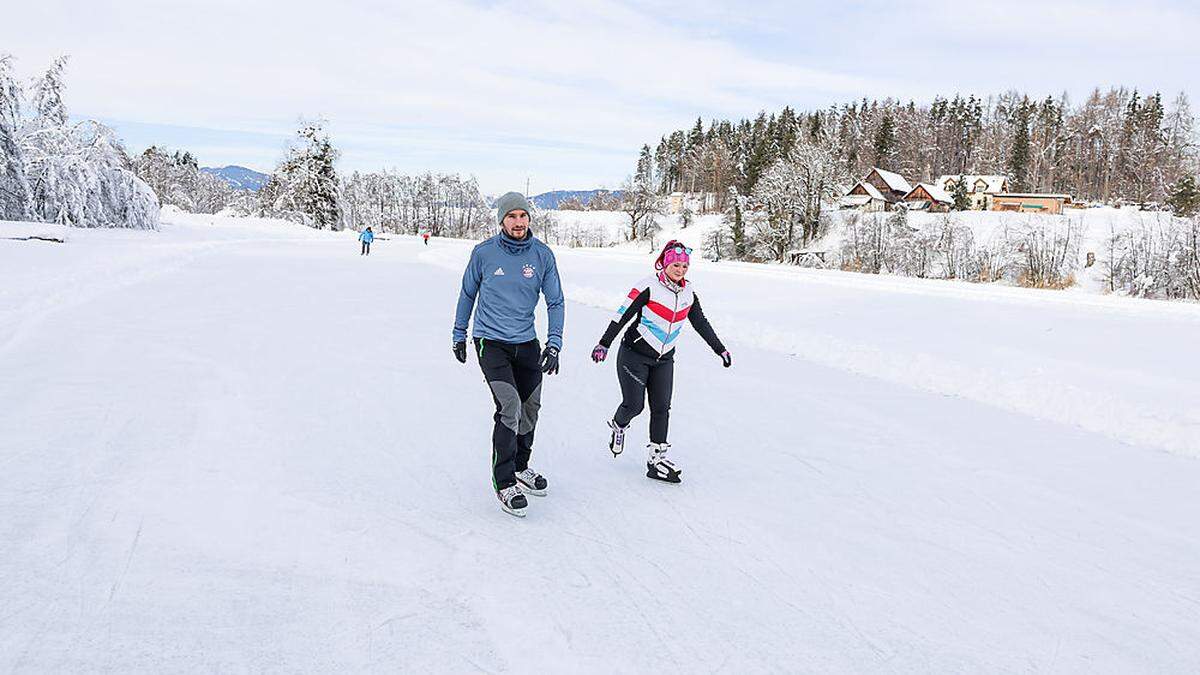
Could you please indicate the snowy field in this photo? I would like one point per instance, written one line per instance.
(1092, 229)
(235, 445)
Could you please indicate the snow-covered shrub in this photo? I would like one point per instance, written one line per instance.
(1050, 253)
(879, 242)
(992, 260)
(1158, 258)
(718, 243)
(913, 251)
(887, 243)
(547, 223)
(956, 248)
(1188, 260)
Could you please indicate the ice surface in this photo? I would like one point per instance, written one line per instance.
(238, 445)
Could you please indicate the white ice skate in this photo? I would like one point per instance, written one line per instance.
(659, 467)
(532, 482)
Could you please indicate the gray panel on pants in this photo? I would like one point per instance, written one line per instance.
(529, 411)
(510, 403)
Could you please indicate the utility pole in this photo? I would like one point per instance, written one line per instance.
(526, 186)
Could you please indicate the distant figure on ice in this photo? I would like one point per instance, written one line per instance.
(507, 273)
(366, 238)
(425, 236)
(646, 360)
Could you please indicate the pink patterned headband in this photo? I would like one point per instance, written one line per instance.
(675, 253)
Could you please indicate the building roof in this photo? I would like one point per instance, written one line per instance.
(994, 183)
(894, 180)
(1034, 195)
(870, 189)
(934, 191)
(855, 200)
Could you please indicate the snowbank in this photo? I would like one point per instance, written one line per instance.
(22, 231)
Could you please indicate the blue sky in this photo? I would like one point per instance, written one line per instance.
(561, 93)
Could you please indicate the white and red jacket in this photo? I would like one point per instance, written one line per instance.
(661, 307)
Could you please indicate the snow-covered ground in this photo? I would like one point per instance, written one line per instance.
(238, 445)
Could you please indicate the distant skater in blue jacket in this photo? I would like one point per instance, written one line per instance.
(366, 238)
(502, 283)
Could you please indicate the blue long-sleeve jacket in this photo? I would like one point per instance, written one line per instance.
(502, 283)
(367, 236)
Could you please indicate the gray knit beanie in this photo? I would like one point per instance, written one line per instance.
(510, 202)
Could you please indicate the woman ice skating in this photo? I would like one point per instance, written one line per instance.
(425, 237)
(646, 359)
(366, 238)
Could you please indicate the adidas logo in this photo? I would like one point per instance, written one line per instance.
(499, 272)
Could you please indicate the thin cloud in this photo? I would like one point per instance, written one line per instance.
(549, 84)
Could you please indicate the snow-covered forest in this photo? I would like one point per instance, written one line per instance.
(177, 180)
(447, 205)
(58, 171)
(306, 188)
(1114, 145)
(776, 180)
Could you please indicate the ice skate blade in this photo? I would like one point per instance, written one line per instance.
(520, 513)
(673, 479)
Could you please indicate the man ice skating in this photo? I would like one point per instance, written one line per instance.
(507, 273)
(366, 238)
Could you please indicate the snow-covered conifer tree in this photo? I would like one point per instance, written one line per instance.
(14, 188)
(305, 186)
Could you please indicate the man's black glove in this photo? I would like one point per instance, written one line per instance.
(460, 351)
(550, 360)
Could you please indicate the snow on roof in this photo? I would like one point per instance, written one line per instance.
(894, 180)
(994, 183)
(1043, 195)
(936, 192)
(855, 200)
(870, 189)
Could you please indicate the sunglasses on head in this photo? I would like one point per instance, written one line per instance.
(682, 249)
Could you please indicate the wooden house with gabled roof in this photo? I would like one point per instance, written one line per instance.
(893, 186)
(879, 190)
(926, 197)
(865, 197)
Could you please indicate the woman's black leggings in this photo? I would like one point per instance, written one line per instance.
(641, 375)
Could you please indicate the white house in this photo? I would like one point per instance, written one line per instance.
(696, 202)
(980, 189)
